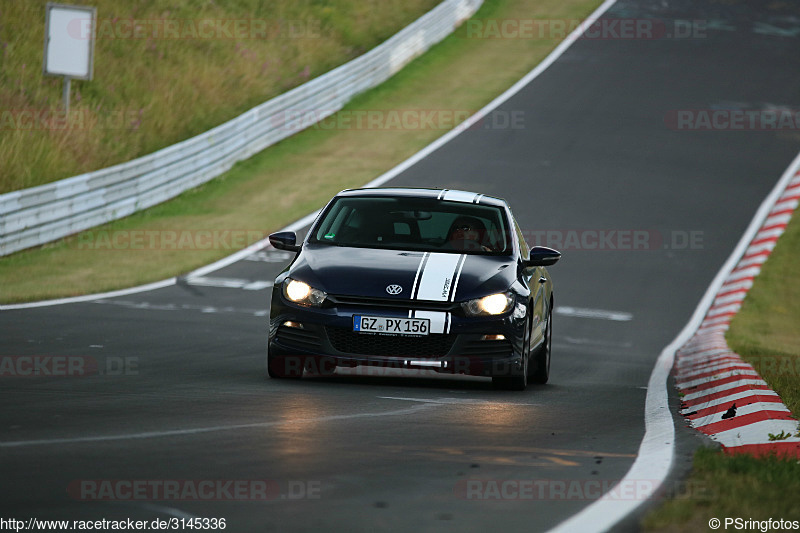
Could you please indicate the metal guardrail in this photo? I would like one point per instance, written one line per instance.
(37, 215)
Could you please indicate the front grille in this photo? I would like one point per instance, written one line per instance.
(480, 347)
(347, 341)
(404, 303)
(298, 338)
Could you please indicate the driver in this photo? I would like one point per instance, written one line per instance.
(466, 233)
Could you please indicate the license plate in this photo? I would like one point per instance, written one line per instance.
(392, 326)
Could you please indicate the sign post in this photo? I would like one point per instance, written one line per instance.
(69, 44)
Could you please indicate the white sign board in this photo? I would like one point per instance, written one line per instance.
(69, 41)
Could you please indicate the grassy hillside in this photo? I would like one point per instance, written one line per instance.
(166, 70)
(766, 331)
(259, 195)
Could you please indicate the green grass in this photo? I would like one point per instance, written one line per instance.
(300, 174)
(734, 487)
(153, 90)
(766, 333)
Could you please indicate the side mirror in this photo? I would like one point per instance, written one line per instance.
(285, 240)
(542, 256)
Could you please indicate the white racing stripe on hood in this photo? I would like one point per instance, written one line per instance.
(460, 196)
(440, 321)
(437, 279)
(422, 262)
(459, 268)
(438, 275)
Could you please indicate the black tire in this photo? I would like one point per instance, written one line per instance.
(543, 353)
(278, 367)
(319, 366)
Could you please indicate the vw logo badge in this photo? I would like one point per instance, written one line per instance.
(394, 289)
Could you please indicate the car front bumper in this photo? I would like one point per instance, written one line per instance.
(320, 339)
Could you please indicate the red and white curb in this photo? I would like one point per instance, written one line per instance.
(714, 380)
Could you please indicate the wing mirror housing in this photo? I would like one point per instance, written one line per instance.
(542, 256)
(285, 240)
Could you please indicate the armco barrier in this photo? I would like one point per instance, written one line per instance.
(48, 212)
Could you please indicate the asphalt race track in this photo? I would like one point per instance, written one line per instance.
(177, 388)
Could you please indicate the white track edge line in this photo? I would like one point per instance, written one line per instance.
(90, 297)
(656, 453)
(202, 271)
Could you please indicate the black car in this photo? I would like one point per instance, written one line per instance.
(414, 279)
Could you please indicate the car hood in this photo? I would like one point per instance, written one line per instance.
(377, 273)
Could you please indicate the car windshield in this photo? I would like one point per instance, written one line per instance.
(415, 224)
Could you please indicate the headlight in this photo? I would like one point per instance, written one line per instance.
(494, 304)
(303, 293)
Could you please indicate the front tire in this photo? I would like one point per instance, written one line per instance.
(284, 367)
(518, 380)
(543, 353)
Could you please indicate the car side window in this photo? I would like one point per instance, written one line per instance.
(335, 225)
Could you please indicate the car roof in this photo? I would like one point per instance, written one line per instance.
(442, 194)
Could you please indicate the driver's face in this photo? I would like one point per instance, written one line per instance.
(466, 233)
